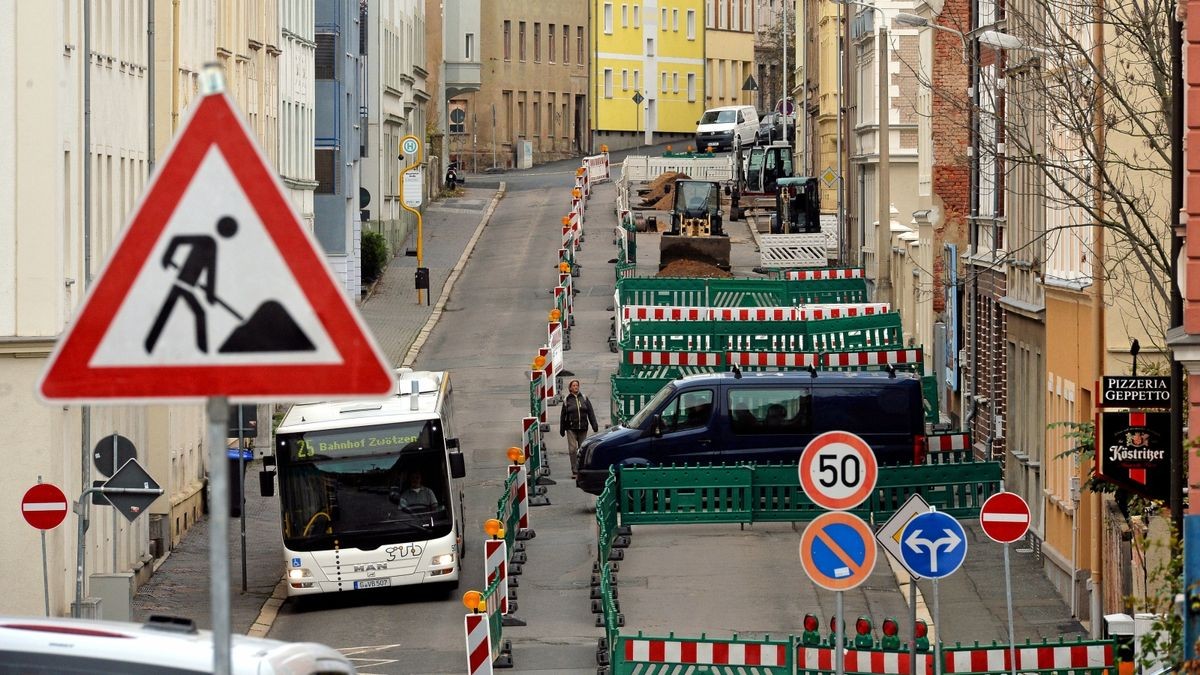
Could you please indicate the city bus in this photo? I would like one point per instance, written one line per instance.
(370, 491)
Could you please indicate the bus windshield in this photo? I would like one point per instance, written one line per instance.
(363, 487)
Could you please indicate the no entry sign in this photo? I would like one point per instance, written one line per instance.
(1004, 517)
(44, 506)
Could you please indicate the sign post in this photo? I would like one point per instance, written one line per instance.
(214, 202)
(44, 506)
(889, 536)
(838, 471)
(935, 546)
(412, 187)
(1005, 519)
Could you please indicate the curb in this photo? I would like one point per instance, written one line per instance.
(413, 350)
(270, 609)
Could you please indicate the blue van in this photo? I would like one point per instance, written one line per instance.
(732, 417)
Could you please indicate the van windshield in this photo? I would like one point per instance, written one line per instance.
(639, 420)
(718, 117)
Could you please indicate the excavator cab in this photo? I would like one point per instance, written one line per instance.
(697, 232)
(797, 206)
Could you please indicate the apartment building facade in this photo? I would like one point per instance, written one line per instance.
(729, 52)
(654, 49)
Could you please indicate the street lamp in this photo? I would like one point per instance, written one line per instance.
(883, 232)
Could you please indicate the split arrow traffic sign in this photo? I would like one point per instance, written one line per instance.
(934, 545)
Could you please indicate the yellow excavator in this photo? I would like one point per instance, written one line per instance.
(697, 232)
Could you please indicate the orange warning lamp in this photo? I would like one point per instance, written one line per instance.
(690, 148)
(564, 267)
(473, 600)
(539, 362)
(603, 148)
(493, 528)
(566, 220)
(576, 192)
(555, 315)
(516, 455)
(579, 171)
(668, 148)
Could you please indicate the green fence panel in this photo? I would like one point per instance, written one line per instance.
(741, 292)
(687, 494)
(507, 512)
(874, 331)
(929, 392)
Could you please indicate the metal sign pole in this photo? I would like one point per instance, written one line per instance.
(242, 484)
(45, 572)
(839, 638)
(81, 510)
(937, 631)
(218, 533)
(912, 615)
(1008, 596)
(114, 511)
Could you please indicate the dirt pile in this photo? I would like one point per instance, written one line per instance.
(693, 268)
(656, 196)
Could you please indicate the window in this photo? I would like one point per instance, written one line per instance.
(710, 14)
(691, 87)
(664, 83)
(770, 411)
(326, 172)
(537, 116)
(522, 118)
(637, 18)
(649, 46)
(624, 80)
(521, 40)
(579, 45)
(537, 42)
(323, 59)
(736, 16)
(675, 82)
(608, 84)
(635, 81)
(689, 410)
(691, 24)
(469, 50)
(675, 20)
(458, 117)
(566, 123)
(663, 22)
(550, 43)
(722, 14)
(567, 44)
(608, 18)
(624, 16)
(747, 15)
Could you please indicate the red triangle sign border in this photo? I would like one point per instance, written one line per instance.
(69, 375)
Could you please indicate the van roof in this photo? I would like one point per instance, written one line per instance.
(730, 107)
(795, 376)
(430, 387)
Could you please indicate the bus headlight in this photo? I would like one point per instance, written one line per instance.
(442, 560)
(299, 573)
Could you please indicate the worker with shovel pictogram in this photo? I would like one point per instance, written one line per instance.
(269, 329)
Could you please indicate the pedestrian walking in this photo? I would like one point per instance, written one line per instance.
(575, 416)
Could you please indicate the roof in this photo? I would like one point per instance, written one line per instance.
(365, 412)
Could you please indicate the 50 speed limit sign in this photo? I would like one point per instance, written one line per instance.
(838, 470)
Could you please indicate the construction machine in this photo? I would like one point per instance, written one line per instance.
(758, 170)
(696, 233)
(797, 206)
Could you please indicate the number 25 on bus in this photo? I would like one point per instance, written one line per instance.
(370, 492)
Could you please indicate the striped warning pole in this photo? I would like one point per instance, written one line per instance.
(479, 635)
(495, 566)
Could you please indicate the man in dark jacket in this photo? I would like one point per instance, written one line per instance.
(575, 416)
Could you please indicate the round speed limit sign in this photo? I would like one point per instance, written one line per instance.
(838, 470)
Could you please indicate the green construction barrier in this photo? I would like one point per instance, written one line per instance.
(738, 292)
(771, 493)
(876, 331)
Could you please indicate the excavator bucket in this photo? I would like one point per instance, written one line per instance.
(709, 250)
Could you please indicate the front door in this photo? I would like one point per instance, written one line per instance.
(686, 426)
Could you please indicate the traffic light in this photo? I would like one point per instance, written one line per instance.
(863, 638)
(422, 278)
(891, 634)
(921, 636)
(811, 637)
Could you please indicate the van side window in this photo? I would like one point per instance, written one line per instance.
(689, 410)
(770, 411)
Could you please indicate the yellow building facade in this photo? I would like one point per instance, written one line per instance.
(655, 49)
(728, 52)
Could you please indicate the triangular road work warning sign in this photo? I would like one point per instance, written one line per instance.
(215, 289)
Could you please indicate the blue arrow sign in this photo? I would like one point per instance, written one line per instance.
(933, 545)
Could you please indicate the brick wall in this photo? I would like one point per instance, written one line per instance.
(986, 338)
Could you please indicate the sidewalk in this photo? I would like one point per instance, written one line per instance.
(180, 584)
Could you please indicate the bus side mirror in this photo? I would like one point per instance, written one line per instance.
(458, 467)
(452, 443)
(266, 483)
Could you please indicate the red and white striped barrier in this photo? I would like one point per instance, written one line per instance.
(663, 313)
(872, 358)
(495, 565)
(753, 313)
(597, 166)
(855, 661)
(548, 371)
(1044, 657)
(479, 644)
(773, 359)
(521, 498)
(705, 653)
(841, 311)
(947, 442)
(641, 358)
(812, 275)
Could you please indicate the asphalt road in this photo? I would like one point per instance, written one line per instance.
(717, 580)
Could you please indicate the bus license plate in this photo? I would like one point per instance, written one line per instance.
(372, 583)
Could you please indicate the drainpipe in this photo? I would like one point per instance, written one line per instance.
(174, 66)
(150, 87)
(85, 412)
